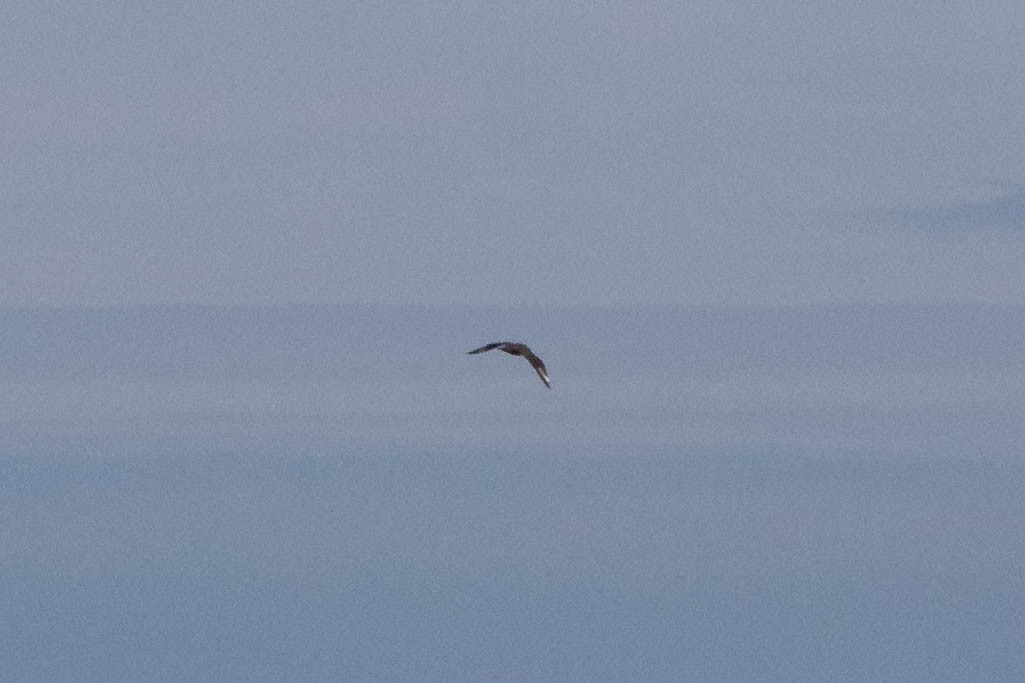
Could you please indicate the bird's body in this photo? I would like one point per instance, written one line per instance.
(516, 349)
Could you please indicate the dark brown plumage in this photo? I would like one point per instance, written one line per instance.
(523, 350)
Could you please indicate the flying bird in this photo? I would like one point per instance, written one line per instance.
(515, 349)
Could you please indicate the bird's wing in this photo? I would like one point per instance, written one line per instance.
(487, 347)
(539, 367)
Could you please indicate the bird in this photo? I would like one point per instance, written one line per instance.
(517, 349)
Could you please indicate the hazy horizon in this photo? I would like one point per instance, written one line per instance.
(840, 377)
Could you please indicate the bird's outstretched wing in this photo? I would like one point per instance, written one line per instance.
(487, 347)
(539, 367)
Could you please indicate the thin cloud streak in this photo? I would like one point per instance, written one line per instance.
(1001, 213)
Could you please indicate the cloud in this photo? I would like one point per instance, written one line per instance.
(1006, 212)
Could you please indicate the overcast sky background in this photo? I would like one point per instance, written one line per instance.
(520, 153)
(772, 254)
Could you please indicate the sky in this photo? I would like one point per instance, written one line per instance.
(765, 154)
(771, 254)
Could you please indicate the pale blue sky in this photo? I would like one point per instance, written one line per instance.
(525, 153)
(772, 254)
